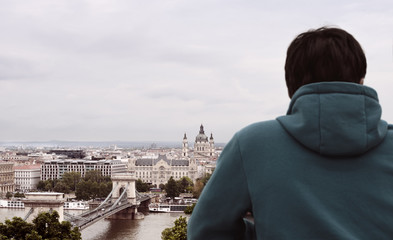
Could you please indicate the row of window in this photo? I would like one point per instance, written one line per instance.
(147, 174)
(6, 178)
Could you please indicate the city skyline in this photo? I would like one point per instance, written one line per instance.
(151, 71)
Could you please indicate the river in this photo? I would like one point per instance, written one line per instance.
(149, 228)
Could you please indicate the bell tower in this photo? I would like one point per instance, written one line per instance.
(211, 143)
(185, 146)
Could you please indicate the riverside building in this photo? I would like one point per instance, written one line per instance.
(27, 177)
(54, 169)
(203, 146)
(158, 169)
(6, 178)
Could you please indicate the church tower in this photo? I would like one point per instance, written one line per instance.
(185, 146)
(211, 143)
(202, 145)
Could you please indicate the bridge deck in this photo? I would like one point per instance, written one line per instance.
(103, 211)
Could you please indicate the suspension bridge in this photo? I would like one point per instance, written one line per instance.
(121, 203)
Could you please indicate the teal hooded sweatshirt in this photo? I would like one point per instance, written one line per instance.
(323, 171)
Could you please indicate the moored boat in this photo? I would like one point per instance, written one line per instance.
(76, 205)
(162, 207)
(11, 204)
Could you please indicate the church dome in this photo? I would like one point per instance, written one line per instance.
(201, 137)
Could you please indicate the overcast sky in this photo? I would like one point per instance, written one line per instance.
(94, 70)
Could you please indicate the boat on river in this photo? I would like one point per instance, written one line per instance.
(76, 205)
(11, 203)
(167, 208)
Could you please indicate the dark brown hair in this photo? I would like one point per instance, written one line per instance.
(324, 55)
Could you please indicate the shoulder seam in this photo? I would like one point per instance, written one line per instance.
(243, 169)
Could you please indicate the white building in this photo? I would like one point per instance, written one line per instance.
(158, 170)
(27, 177)
(203, 147)
(7, 183)
(54, 169)
(12, 156)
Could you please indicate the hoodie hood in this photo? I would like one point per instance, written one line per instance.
(335, 118)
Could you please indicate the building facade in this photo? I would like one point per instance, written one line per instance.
(54, 169)
(203, 147)
(160, 169)
(6, 178)
(27, 177)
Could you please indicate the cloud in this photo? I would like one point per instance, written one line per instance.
(150, 70)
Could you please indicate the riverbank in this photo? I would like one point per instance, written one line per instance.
(146, 229)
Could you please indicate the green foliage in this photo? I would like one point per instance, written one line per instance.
(93, 185)
(46, 185)
(197, 190)
(16, 228)
(8, 195)
(172, 189)
(61, 187)
(47, 226)
(206, 178)
(162, 186)
(185, 184)
(41, 185)
(178, 232)
(142, 186)
(19, 195)
(86, 190)
(33, 236)
(199, 185)
(71, 179)
(189, 209)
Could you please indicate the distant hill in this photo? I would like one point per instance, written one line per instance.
(97, 144)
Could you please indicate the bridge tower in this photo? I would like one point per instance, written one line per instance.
(125, 182)
(37, 202)
(121, 182)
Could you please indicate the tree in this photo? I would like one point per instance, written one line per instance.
(71, 179)
(178, 232)
(33, 236)
(41, 185)
(83, 190)
(48, 186)
(189, 209)
(104, 189)
(19, 195)
(199, 185)
(185, 184)
(142, 186)
(61, 187)
(8, 195)
(16, 228)
(206, 178)
(93, 185)
(162, 186)
(94, 189)
(94, 176)
(47, 226)
(171, 188)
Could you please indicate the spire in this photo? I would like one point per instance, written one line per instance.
(201, 131)
(185, 136)
(211, 136)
